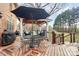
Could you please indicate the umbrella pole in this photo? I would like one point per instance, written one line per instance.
(31, 44)
(32, 25)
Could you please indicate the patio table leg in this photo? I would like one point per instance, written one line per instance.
(31, 44)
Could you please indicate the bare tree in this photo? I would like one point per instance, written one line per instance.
(51, 8)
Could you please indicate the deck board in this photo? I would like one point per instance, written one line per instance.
(64, 51)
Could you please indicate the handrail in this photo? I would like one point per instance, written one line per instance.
(64, 36)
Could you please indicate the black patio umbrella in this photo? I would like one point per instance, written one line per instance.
(30, 13)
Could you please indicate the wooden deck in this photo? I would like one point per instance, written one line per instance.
(61, 50)
(43, 50)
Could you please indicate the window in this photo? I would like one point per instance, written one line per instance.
(10, 24)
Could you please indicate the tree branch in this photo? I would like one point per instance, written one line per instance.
(45, 5)
(53, 8)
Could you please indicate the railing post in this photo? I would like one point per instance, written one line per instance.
(73, 37)
(70, 37)
(53, 37)
(62, 38)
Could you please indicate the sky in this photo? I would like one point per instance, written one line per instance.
(67, 6)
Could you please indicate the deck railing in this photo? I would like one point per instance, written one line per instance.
(62, 37)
